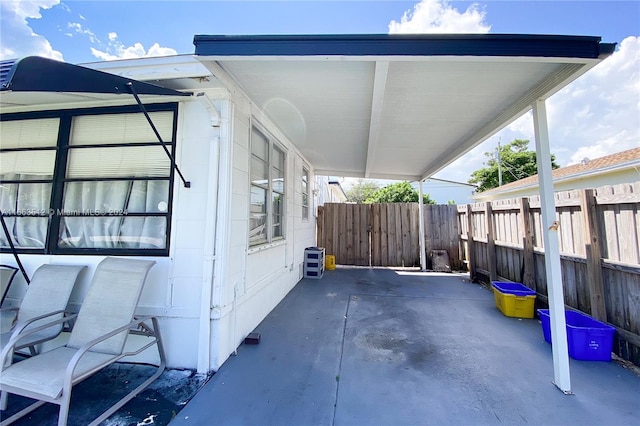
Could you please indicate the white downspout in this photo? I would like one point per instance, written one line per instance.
(560, 350)
(209, 256)
(423, 255)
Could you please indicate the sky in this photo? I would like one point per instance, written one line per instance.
(597, 115)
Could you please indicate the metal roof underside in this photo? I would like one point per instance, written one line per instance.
(36, 82)
(395, 106)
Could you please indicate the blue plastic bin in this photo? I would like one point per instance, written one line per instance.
(588, 339)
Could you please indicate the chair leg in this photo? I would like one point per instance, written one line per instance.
(63, 414)
(3, 400)
(163, 362)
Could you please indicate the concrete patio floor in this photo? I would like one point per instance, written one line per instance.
(384, 347)
(372, 347)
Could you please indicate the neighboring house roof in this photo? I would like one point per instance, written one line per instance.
(337, 189)
(586, 168)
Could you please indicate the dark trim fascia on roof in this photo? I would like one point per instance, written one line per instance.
(556, 46)
(37, 74)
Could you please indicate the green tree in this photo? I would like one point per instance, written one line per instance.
(361, 191)
(516, 162)
(400, 192)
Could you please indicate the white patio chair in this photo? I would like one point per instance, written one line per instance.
(97, 340)
(45, 300)
(6, 277)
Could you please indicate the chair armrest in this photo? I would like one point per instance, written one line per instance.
(16, 336)
(23, 324)
(84, 348)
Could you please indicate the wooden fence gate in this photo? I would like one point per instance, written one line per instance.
(386, 234)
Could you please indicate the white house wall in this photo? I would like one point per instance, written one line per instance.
(212, 289)
(174, 285)
(258, 278)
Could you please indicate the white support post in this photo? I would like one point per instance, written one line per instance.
(423, 256)
(560, 350)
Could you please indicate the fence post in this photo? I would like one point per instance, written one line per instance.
(491, 243)
(470, 247)
(593, 252)
(528, 277)
(320, 227)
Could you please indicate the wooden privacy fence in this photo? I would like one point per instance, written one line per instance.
(386, 234)
(599, 238)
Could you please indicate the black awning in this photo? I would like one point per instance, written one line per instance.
(37, 74)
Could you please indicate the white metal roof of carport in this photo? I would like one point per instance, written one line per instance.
(406, 106)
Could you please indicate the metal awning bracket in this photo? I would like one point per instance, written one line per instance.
(132, 90)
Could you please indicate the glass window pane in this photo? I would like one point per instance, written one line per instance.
(25, 199)
(150, 196)
(259, 172)
(33, 162)
(143, 232)
(258, 216)
(120, 161)
(105, 197)
(27, 232)
(278, 214)
(121, 128)
(305, 179)
(113, 232)
(278, 170)
(259, 145)
(37, 133)
(116, 197)
(278, 159)
(278, 185)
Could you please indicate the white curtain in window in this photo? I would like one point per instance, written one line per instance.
(8, 205)
(117, 199)
(146, 232)
(93, 198)
(33, 199)
(26, 200)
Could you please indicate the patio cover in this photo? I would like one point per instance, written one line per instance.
(36, 83)
(405, 106)
(396, 106)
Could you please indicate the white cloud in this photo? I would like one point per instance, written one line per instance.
(596, 115)
(18, 39)
(599, 114)
(77, 27)
(438, 16)
(117, 50)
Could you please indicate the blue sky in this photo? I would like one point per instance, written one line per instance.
(597, 115)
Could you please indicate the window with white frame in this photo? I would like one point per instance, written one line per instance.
(305, 193)
(88, 181)
(266, 214)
